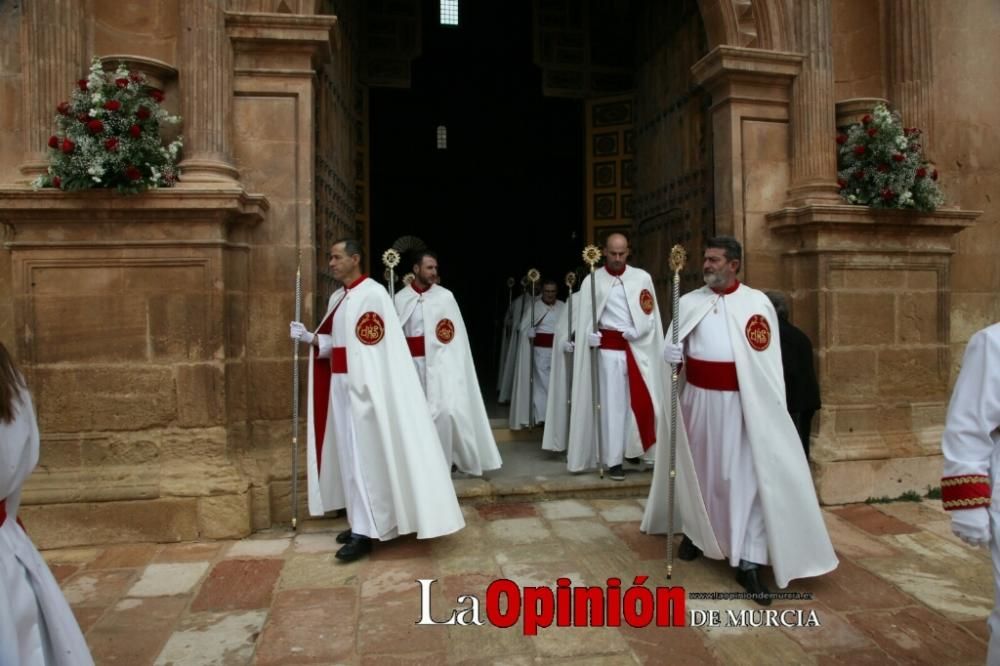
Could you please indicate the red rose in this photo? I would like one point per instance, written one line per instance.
(111, 144)
(132, 173)
(883, 167)
(841, 139)
(82, 117)
(135, 76)
(83, 84)
(866, 119)
(121, 83)
(157, 95)
(63, 108)
(112, 105)
(135, 131)
(68, 145)
(858, 175)
(95, 126)
(841, 183)
(898, 157)
(872, 132)
(859, 150)
(57, 182)
(921, 172)
(934, 174)
(53, 141)
(142, 112)
(888, 195)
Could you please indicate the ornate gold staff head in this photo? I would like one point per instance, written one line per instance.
(678, 257)
(570, 279)
(407, 279)
(533, 275)
(592, 254)
(510, 283)
(390, 258)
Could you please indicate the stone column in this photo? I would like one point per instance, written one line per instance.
(813, 113)
(206, 86)
(910, 65)
(52, 56)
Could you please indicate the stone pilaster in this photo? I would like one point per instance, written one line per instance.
(813, 114)
(910, 64)
(206, 82)
(52, 53)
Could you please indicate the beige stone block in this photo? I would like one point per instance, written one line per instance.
(159, 520)
(77, 328)
(863, 319)
(104, 398)
(918, 319)
(928, 415)
(60, 451)
(200, 395)
(260, 507)
(849, 376)
(911, 374)
(236, 391)
(271, 390)
(224, 516)
(971, 312)
(273, 268)
(269, 167)
(849, 420)
(917, 279)
(132, 449)
(185, 327)
(143, 29)
(236, 325)
(269, 315)
(857, 480)
(265, 119)
(157, 278)
(282, 218)
(192, 445)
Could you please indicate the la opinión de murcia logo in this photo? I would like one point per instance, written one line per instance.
(595, 606)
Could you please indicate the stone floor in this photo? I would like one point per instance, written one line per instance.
(906, 592)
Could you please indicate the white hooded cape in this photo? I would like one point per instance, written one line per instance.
(647, 349)
(509, 361)
(36, 624)
(453, 393)
(405, 473)
(557, 410)
(519, 415)
(798, 543)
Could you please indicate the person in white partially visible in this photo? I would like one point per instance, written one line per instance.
(37, 626)
(971, 449)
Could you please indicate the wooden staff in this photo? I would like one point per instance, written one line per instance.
(677, 258)
(592, 254)
(391, 259)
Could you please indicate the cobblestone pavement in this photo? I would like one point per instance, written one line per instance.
(906, 592)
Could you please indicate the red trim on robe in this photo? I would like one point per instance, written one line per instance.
(416, 345)
(544, 340)
(615, 273)
(338, 361)
(726, 292)
(413, 285)
(3, 514)
(969, 491)
(642, 402)
(711, 375)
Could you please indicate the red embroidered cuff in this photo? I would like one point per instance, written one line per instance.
(965, 492)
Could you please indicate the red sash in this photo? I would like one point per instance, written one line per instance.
(544, 340)
(711, 375)
(642, 402)
(3, 513)
(416, 345)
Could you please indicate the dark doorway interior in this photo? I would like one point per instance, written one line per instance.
(507, 193)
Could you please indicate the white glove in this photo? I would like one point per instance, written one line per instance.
(298, 331)
(631, 334)
(971, 525)
(594, 339)
(673, 354)
(569, 346)
(531, 333)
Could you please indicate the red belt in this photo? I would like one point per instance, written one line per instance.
(3, 514)
(712, 375)
(416, 345)
(613, 340)
(544, 340)
(338, 360)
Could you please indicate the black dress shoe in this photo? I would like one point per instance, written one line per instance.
(687, 551)
(615, 473)
(634, 461)
(344, 536)
(357, 547)
(751, 582)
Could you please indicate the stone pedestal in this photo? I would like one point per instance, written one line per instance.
(131, 323)
(872, 290)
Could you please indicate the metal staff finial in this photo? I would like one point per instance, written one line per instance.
(591, 255)
(391, 259)
(677, 259)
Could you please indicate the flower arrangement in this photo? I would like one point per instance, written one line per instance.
(880, 164)
(109, 136)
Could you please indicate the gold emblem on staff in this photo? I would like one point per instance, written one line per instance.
(407, 279)
(390, 258)
(678, 257)
(534, 275)
(570, 279)
(592, 254)
(370, 329)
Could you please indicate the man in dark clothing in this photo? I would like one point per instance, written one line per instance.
(801, 387)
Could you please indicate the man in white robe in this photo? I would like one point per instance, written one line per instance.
(740, 462)
(36, 624)
(971, 448)
(628, 341)
(439, 344)
(557, 409)
(536, 333)
(371, 444)
(508, 364)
